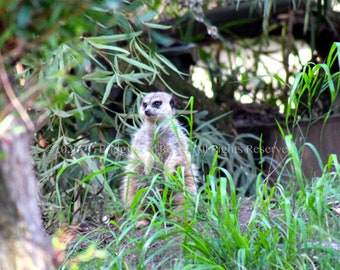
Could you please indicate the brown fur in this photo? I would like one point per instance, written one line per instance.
(159, 146)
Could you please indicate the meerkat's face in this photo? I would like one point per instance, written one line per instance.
(157, 106)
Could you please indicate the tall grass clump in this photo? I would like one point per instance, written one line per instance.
(211, 146)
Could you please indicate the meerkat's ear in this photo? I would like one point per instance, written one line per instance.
(172, 103)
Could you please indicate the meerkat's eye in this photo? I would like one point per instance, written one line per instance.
(145, 105)
(156, 104)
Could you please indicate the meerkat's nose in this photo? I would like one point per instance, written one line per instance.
(147, 113)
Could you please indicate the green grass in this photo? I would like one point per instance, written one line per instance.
(288, 228)
(280, 226)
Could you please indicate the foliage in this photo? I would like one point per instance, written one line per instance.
(99, 51)
(313, 84)
(244, 70)
(79, 149)
(288, 227)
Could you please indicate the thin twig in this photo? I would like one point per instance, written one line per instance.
(5, 81)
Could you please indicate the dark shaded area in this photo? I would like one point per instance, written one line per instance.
(245, 21)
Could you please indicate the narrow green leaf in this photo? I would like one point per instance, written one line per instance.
(157, 26)
(169, 64)
(148, 16)
(108, 47)
(98, 76)
(108, 88)
(113, 38)
(150, 58)
(137, 63)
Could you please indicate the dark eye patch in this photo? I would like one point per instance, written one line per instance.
(145, 105)
(172, 103)
(156, 104)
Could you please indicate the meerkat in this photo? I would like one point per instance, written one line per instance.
(160, 146)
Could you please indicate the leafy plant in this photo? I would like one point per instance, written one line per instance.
(286, 227)
(313, 85)
(80, 148)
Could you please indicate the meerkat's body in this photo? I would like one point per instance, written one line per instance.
(158, 147)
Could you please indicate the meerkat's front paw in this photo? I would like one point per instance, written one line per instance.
(142, 223)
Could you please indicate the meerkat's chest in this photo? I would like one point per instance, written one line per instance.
(162, 145)
(160, 142)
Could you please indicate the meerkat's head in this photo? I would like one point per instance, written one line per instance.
(157, 106)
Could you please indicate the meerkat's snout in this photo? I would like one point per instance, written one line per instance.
(147, 112)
